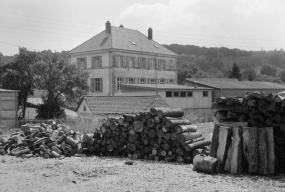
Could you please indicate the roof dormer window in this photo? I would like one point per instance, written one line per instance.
(156, 46)
(133, 42)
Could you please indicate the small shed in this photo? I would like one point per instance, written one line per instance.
(176, 96)
(8, 108)
(226, 87)
(103, 105)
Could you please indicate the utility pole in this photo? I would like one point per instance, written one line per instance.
(155, 76)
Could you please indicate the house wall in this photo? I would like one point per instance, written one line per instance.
(9, 109)
(197, 101)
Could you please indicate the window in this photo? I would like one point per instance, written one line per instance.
(162, 81)
(175, 94)
(171, 81)
(161, 64)
(171, 64)
(168, 94)
(152, 81)
(166, 65)
(205, 93)
(189, 94)
(130, 61)
(142, 62)
(96, 85)
(142, 81)
(151, 63)
(81, 63)
(131, 81)
(118, 82)
(96, 61)
(119, 60)
(183, 94)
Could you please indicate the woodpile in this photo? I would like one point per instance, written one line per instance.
(42, 140)
(249, 133)
(154, 135)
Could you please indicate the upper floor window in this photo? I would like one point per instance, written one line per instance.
(119, 81)
(161, 64)
(171, 65)
(130, 61)
(96, 85)
(152, 81)
(171, 81)
(118, 60)
(81, 63)
(151, 63)
(142, 62)
(167, 65)
(142, 81)
(96, 61)
(205, 93)
(131, 80)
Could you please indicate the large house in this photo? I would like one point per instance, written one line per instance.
(119, 55)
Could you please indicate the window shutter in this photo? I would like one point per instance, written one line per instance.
(101, 84)
(85, 63)
(114, 60)
(135, 63)
(78, 63)
(127, 61)
(124, 62)
(100, 61)
(92, 62)
(92, 85)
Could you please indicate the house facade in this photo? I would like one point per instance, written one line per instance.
(118, 55)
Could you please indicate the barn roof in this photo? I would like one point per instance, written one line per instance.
(122, 38)
(8, 91)
(165, 87)
(123, 104)
(227, 83)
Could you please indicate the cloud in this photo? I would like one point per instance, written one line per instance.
(236, 22)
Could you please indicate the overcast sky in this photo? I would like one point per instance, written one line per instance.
(64, 24)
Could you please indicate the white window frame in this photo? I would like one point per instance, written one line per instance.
(119, 80)
(162, 81)
(131, 80)
(152, 81)
(142, 81)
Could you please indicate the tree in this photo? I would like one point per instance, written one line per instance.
(61, 81)
(18, 74)
(282, 76)
(235, 72)
(249, 74)
(268, 70)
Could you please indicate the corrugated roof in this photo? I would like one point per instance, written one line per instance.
(123, 104)
(122, 38)
(7, 90)
(227, 83)
(164, 86)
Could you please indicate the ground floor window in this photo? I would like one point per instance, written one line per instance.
(189, 94)
(205, 93)
(168, 94)
(119, 81)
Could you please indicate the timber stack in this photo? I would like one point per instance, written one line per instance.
(42, 140)
(249, 133)
(154, 135)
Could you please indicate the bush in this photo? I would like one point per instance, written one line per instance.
(55, 111)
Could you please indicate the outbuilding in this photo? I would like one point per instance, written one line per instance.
(8, 108)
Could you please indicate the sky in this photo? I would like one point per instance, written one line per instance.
(64, 24)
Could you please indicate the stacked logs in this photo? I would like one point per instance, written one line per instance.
(47, 141)
(251, 131)
(154, 135)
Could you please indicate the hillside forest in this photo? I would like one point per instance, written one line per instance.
(197, 62)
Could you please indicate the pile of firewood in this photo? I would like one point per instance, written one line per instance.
(249, 135)
(155, 135)
(42, 140)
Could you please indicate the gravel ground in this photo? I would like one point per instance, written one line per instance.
(112, 174)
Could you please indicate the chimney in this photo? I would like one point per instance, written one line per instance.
(150, 34)
(122, 26)
(108, 27)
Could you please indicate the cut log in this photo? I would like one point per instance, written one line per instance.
(176, 114)
(271, 152)
(231, 115)
(152, 133)
(138, 126)
(153, 111)
(237, 159)
(242, 118)
(225, 134)
(173, 123)
(196, 145)
(188, 136)
(167, 136)
(270, 97)
(215, 139)
(221, 115)
(150, 123)
(250, 148)
(227, 166)
(279, 98)
(262, 149)
(186, 128)
(207, 164)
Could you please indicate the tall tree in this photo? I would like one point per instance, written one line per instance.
(18, 74)
(235, 72)
(268, 70)
(61, 81)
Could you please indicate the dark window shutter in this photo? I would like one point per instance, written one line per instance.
(101, 84)
(92, 85)
(85, 63)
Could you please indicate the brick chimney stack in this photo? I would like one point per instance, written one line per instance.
(150, 33)
(108, 27)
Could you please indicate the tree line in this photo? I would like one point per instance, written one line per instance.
(46, 71)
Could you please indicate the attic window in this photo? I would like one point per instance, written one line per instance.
(155, 45)
(133, 42)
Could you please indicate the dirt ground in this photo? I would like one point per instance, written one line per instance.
(112, 174)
